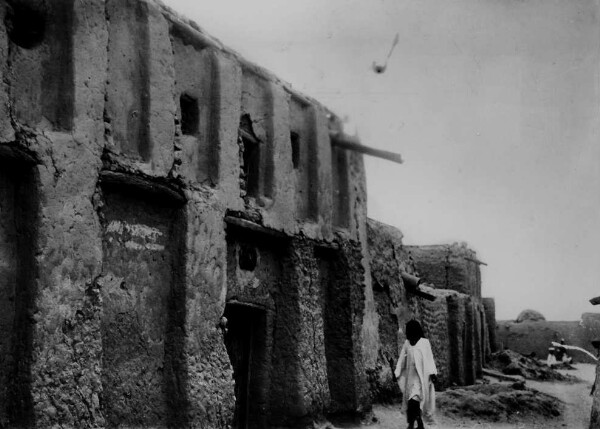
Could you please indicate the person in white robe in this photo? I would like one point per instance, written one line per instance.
(416, 374)
(551, 359)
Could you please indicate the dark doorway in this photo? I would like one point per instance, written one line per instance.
(246, 343)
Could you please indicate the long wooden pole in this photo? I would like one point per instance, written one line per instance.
(351, 143)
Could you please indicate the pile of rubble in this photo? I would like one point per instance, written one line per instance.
(498, 402)
(513, 363)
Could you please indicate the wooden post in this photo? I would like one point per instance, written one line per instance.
(347, 142)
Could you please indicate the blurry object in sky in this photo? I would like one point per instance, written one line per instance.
(381, 68)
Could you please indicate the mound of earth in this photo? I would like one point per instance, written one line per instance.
(498, 402)
(529, 316)
(513, 363)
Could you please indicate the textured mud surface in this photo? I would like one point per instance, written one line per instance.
(572, 399)
(513, 363)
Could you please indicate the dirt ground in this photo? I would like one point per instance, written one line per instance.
(576, 413)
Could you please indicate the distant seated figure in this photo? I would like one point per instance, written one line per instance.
(561, 354)
(551, 359)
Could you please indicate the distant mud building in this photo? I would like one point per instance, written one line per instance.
(536, 336)
(183, 243)
(458, 322)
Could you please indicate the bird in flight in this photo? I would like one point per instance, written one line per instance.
(379, 68)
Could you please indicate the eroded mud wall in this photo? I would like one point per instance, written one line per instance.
(451, 267)
(457, 328)
(595, 414)
(486, 349)
(478, 340)
(52, 107)
(489, 306)
(434, 318)
(104, 96)
(142, 296)
(387, 260)
(311, 357)
(469, 345)
(454, 321)
(344, 304)
(536, 336)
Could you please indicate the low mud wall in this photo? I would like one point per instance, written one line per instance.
(535, 337)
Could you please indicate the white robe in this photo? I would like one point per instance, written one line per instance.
(420, 359)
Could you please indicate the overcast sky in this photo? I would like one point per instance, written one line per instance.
(494, 105)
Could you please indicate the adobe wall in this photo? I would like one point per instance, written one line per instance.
(451, 267)
(489, 306)
(591, 321)
(387, 261)
(595, 413)
(128, 194)
(435, 320)
(535, 336)
(454, 322)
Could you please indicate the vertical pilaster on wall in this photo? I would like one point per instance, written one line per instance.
(324, 179)
(469, 344)
(303, 147)
(343, 307)
(128, 92)
(485, 336)
(210, 387)
(489, 306)
(90, 43)
(358, 228)
(286, 400)
(67, 345)
(41, 60)
(228, 105)
(279, 176)
(457, 328)
(140, 104)
(313, 385)
(340, 188)
(595, 415)
(66, 342)
(161, 85)
(435, 321)
(477, 339)
(7, 132)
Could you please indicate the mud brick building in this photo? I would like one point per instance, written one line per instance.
(183, 239)
(181, 244)
(531, 336)
(453, 317)
(456, 268)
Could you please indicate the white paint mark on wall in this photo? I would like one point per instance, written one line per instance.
(146, 235)
(148, 246)
(136, 230)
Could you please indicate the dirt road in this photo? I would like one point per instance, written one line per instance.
(576, 415)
